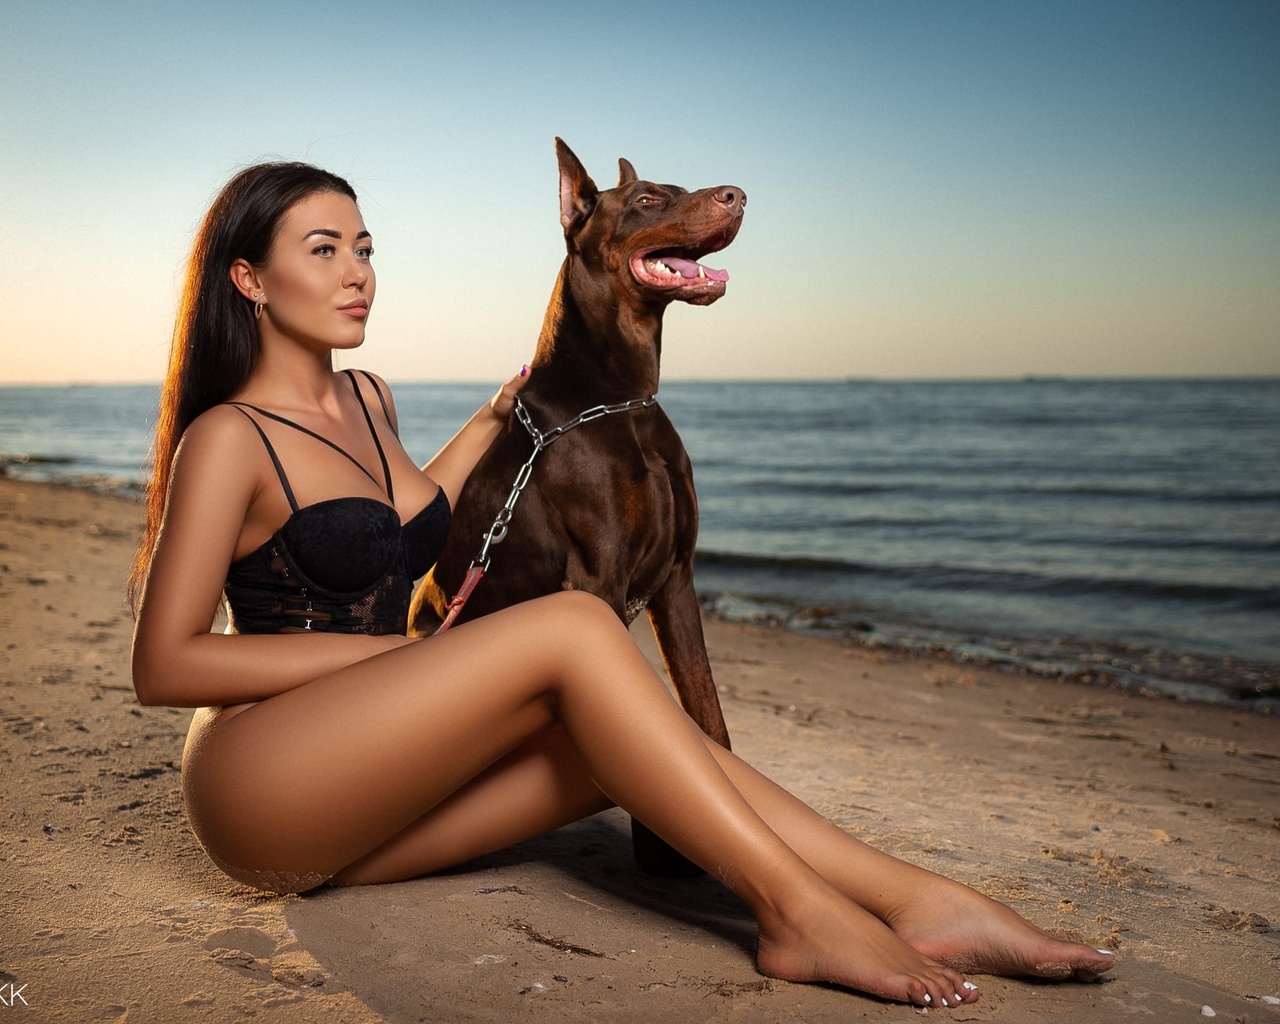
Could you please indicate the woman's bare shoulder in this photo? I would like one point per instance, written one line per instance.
(381, 382)
(383, 389)
(221, 443)
(221, 425)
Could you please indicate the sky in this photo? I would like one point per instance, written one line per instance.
(936, 189)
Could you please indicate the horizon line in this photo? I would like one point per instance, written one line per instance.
(1016, 378)
(1027, 378)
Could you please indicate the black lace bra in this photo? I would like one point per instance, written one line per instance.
(342, 565)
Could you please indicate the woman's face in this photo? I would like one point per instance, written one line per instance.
(319, 280)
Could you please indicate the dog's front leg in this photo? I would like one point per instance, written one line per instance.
(677, 624)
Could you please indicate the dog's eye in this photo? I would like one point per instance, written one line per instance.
(645, 199)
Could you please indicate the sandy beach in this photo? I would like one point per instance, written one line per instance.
(1148, 826)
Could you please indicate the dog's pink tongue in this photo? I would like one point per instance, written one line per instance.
(687, 268)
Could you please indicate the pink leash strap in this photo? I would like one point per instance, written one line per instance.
(474, 575)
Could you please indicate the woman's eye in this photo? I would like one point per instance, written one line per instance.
(365, 252)
(323, 250)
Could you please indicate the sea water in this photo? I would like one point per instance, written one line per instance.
(1119, 530)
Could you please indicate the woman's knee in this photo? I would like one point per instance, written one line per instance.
(573, 627)
(585, 613)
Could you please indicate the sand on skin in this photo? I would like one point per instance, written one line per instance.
(1144, 825)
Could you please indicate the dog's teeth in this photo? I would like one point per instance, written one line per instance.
(702, 271)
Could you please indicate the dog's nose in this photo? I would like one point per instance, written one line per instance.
(731, 197)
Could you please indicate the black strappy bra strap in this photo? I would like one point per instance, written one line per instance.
(386, 411)
(386, 469)
(275, 459)
(311, 433)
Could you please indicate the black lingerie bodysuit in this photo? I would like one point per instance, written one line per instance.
(343, 565)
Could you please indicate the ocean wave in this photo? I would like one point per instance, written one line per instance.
(977, 485)
(25, 459)
(965, 578)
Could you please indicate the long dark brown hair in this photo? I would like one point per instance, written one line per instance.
(215, 339)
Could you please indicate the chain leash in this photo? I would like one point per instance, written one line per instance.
(497, 532)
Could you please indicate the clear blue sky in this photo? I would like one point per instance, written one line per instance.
(937, 189)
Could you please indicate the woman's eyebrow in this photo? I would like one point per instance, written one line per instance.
(331, 233)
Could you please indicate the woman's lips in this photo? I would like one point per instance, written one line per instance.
(359, 308)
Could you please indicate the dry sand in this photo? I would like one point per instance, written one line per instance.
(1144, 825)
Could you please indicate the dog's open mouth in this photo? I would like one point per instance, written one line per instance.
(676, 269)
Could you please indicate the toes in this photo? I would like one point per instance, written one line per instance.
(947, 991)
(957, 990)
(1090, 971)
(1078, 963)
(932, 992)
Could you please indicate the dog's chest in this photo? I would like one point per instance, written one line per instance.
(604, 498)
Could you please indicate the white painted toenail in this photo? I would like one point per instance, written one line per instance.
(928, 998)
(971, 986)
(1106, 952)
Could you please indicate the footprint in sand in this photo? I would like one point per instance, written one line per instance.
(254, 941)
(252, 952)
(1240, 921)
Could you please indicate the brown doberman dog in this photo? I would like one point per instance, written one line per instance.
(610, 507)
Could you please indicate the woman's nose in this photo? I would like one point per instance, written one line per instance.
(356, 271)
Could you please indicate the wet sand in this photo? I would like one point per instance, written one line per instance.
(1144, 825)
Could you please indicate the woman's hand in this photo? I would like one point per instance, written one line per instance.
(504, 401)
(454, 462)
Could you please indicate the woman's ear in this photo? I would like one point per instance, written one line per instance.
(244, 275)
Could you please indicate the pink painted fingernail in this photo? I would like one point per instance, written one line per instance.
(524, 370)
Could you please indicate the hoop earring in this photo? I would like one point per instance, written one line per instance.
(257, 306)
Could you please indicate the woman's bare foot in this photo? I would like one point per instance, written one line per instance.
(834, 940)
(955, 925)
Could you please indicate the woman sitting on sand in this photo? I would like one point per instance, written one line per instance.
(331, 748)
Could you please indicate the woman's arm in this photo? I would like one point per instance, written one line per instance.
(177, 662)
(453, 463)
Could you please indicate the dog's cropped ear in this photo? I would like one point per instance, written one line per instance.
(577, 191)
(626, 173)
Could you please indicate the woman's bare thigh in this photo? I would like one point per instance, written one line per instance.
(304, 783)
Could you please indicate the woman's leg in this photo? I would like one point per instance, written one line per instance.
(545, 784)
(533, 790)
(944, 919)
(315, 778)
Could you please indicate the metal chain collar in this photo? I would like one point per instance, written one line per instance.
(498, 531)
